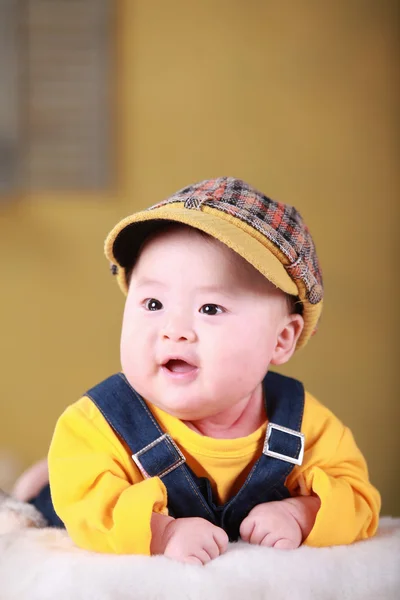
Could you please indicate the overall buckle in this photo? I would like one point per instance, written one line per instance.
(180, 459)
(290, 459)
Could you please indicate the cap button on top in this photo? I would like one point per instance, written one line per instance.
(193, 203)
(196, 201)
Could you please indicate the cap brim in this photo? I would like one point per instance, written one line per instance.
(125, 239)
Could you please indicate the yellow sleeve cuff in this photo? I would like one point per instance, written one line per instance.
(346, 514)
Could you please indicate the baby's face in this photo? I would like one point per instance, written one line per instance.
(200, 325)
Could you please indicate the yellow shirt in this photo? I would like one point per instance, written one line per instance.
(106, 505)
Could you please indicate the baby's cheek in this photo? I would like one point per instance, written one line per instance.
(248, 348)
(135, 371)
(133, 356)
(236, 372)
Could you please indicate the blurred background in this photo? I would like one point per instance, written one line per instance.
(107, 107)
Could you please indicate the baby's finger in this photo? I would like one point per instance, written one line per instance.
(259, 533)
(246, 529)
(269, 540)
(217, 543)
(286, 544)
(221, 539)
(203, 556)
(192, 560)
(212, 549)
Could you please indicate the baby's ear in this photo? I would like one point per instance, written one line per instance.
(287, 339)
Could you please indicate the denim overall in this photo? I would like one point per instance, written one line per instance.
(156, 454)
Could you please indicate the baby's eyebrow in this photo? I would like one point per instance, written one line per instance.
(207, 289)
(145, 281)
(215, 289)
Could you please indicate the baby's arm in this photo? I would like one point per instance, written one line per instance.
(283, 524)
(335, 471)
(97, 489)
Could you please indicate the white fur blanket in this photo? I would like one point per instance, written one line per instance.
(43, 564)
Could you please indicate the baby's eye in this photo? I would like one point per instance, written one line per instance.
(211, 309)
(152, 304)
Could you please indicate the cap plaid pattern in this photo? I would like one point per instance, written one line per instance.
(280, 223)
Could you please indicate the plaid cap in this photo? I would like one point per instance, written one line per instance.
(269, 235)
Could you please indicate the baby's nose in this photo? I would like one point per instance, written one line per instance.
(177, 331)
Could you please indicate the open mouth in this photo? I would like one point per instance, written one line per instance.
(177, 365)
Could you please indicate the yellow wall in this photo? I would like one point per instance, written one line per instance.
(298, 98)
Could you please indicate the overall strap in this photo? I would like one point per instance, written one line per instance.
(154, 452)
(283, 448)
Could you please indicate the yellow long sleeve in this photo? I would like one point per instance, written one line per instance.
(96, 488)
(335, 470)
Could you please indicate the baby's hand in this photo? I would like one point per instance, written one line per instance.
(272, 524)
(192, 540)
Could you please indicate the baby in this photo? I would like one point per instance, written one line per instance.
(196, 442)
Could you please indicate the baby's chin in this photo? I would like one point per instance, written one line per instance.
(185, 411)
(184, 408)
